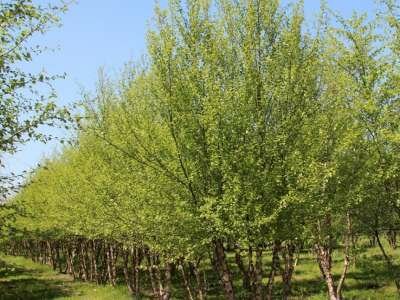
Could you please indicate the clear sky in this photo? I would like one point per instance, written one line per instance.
(108, 33)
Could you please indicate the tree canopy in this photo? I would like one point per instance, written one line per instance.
(27, 100)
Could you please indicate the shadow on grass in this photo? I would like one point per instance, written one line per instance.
(11, 270)
(18, 283)
(303, 288)
(372, 273)
(31, 288)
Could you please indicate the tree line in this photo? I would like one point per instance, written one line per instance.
(243, 132)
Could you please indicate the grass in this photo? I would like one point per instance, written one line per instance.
(20, 278)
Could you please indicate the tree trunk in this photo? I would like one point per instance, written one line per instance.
(70, 254)
(245, 271)
(150, 269)
(126, 269)
(223, 270)
(200, 284)
(372, 241)
(258, 275)
(324, 259)
(114, 256)
(186, 281)
(389, 262)
(82, 260)
(288, 258)
(136, 261)
(346, 262)
(158, 276)
(110, 265)
(92, 261)
(392, 238)
(58, 257)
(51, 254)
(97, 246)
(274, 269)
(166, 294)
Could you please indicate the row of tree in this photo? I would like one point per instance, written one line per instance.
(243, 132)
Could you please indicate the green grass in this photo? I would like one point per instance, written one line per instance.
(367, 277)
(20, 278)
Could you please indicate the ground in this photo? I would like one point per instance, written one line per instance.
(20, 278)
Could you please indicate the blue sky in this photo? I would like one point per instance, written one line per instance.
(105, 33)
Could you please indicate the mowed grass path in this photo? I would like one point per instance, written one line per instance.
(20, 278)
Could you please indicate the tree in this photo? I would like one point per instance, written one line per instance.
(23, 109)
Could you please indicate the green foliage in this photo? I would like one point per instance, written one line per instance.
(23, 109)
